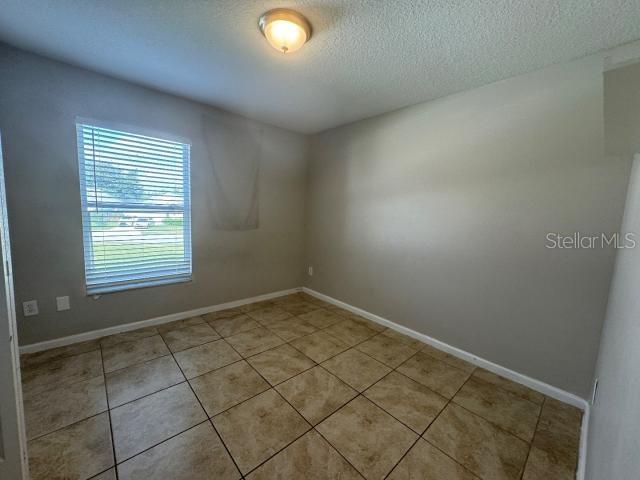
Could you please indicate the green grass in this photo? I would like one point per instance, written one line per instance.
(105, 253)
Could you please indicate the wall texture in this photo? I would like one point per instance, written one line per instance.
(435, 217)
(39, 100)
(614, 433)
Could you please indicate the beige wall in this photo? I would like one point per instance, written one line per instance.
(614, 433)
(435, 217)
(39, 100)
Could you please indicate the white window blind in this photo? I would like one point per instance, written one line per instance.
(136, 209)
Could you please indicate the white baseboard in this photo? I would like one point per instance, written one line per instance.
(82, 337)
(584, 438)
(532, 383)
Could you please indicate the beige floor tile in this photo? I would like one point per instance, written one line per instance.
(108, 475)
(61, 406)
(124, 354)
(150, 420)
(204, 358)
(299, 308)
(133, 382)
(269, 315)
(226, 313)
(339, 310)
(425, 462)
(504, 409)
(63, 371)
(197, 454)
(254, 341)
(316, 301)
(364, 321)
(321, 318)
(370, 439)
(79, 451)
(187, 322)
(412, 342)
(280, 363)
(232, 325)
(39, 358)
(223, 388)
(448, 358)
(128, 336)
(249, 307)
(319, 346)
(542, 465)
(316, 393)
(513, 387)
(356, 369)
(291, 328)
(291, 298)
(258, 428)
(438, 376)
(343, 312)
(410, 402)
(350, 332)
(558, 432)
(387, 350)
(183, 338)
(309, 458)
(477, 444)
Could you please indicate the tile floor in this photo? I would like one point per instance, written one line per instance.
(292, 388)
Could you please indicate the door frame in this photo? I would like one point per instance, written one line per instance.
(14, 352)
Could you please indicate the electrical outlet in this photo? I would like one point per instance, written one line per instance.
(310, 271)
(62, 303)
(30, 308)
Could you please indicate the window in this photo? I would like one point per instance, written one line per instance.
(136, 208)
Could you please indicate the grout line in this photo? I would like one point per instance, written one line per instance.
(225, 447)
(331, 444)
(242, 474)
(496, 426)
(138, 363)
(427, 428)
(477, 476)
(509, 392)
(97, 414)
(115, 470)
(535, 430)
(358, 394)
(163, 441)
(204, 409)
(294, 409)
(172, 436)
(421, 435)
(115, 407)
(106, 394)
(312, 427)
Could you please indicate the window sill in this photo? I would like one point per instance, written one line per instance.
(105, 289)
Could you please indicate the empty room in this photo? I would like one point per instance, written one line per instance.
(331, 239)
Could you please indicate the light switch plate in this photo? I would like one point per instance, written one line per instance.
(30, 308)
(62, 303)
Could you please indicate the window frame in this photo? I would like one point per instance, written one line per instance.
(134, 284)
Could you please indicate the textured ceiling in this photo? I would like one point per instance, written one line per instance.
(365, 57)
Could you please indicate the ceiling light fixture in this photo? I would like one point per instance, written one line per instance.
(284, 29)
